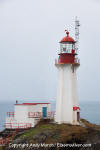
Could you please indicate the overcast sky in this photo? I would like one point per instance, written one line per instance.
(30, 31)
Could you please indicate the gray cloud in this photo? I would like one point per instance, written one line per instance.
(5, 1)
(29, 35)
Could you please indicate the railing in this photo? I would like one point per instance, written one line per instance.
(18, 125)
(34, 115)
(10, 114)
(40, 114)
(77, 60)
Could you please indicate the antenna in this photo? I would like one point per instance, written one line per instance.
(77, 25)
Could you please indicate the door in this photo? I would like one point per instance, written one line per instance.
(78, 116)
(44, 110)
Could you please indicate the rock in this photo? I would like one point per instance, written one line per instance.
(22, 140)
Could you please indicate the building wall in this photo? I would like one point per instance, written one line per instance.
(74, 86)
(38, 108)
(21, 113)
(64, 107)
(21, 118)
(66, 94)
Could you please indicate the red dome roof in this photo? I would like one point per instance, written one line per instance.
(67, 38)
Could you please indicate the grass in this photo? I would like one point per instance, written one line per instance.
(62, 132)
(90, 125)
(1, 148)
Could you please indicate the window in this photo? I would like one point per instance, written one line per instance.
(66, 48)
(78, 116)
(69, 46)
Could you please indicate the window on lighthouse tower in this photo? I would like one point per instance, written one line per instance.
(66, 47)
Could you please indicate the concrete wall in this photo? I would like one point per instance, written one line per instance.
(67, 96)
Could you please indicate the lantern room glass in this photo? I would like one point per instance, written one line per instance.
(67, 47)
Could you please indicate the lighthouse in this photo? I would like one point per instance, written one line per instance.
(67, 107)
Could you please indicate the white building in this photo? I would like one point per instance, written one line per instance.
(27, 115)
(67, 107)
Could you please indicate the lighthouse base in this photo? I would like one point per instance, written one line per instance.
(75, 121)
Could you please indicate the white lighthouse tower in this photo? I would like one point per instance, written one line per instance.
(67, 107)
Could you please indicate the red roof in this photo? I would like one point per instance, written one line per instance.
(67, 38)
(31, 103)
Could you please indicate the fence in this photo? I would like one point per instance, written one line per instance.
(40, 114)
(10, 114)
(77, 60)
(18, 125)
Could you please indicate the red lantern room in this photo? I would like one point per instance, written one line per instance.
(67, 50)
